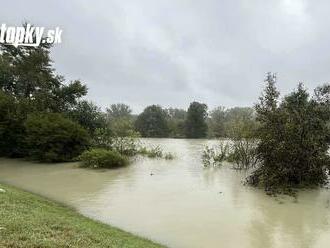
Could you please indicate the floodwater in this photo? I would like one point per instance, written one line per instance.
(179, 203)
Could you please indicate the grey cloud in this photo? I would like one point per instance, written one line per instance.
(173, 52)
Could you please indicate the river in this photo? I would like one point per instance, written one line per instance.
(179, 203)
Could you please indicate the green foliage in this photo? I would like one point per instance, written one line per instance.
(176, 121)
(243, 153)
(102, 138)
(128, 145)
(152, 122)
(118, 111)
(208, 156)
(125, 145)
(216, 122)
(155, 152)
(28, 85)
(118, 135)
(53, 138)
(293, 138)
(195, 124)
(169, 156)
(12, 131)
(102, 158)
(27, 73)
(88, 115)
(123, 127)
(215, 155)
(232, 123)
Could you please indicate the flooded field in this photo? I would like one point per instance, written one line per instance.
(179, 203)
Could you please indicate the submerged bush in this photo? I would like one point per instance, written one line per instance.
(240, 152)
(155, 152)
(126, 143)
(127, 146)
(102, 158)
(215, 155)
(51, 137)
(243, 153)
(169, 156)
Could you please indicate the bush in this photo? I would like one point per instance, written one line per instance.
(127, 146)
(241, 152)
(154, 152)
(52, 138)
(169, 156)
(215, 155)
(102, 158)
(244, 153)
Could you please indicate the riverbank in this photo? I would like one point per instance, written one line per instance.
(28, 220)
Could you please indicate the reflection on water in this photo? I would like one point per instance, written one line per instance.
(182, 204)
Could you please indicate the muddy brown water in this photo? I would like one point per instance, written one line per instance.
(179, 203)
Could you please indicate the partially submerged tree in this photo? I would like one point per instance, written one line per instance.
(195, 124)
(152, 122)
(88, 115)
(293, 138)
(176, 120)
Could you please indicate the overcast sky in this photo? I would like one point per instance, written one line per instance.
(172, 52)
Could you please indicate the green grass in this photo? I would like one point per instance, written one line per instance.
(28, 220)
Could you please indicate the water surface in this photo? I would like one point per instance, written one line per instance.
(179, 203)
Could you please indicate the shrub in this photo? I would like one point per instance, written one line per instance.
(241, 152)
(53, 138)
(215, 155)
(207, 156)
(127, 146)
(154, 152)
(127, 143)
(169, 156)
(244, 153)
(102, 158)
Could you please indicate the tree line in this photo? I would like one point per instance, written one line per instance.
(195, 122)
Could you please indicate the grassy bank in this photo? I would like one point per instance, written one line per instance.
(28, 220)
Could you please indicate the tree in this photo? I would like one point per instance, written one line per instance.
(11, 127)
(53, 138)
(240, 122)
(152, 122)
(216, 122)
(195, 124)
(29, 84)
(27, 73)
(232, 122)
(175, 119)
(119, 110)
(292, 136)
(88, 115)
(120, 120)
